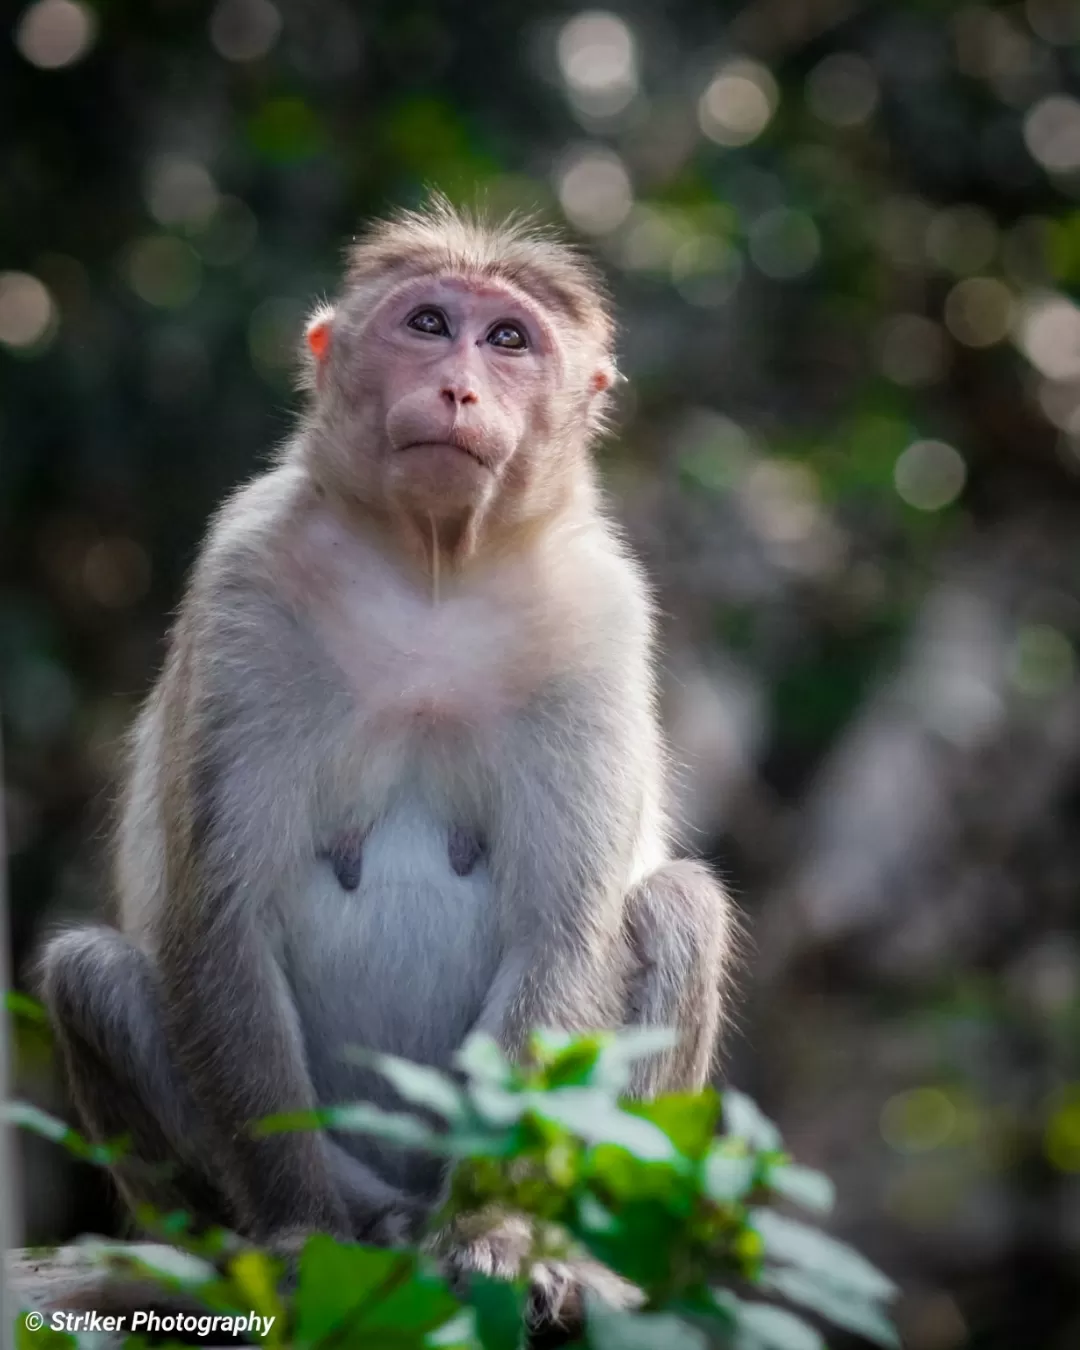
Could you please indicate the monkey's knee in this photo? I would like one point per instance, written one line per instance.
(101, 994)
(682, 934)
(100, 991)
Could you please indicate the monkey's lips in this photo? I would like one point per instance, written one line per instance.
(454, 444)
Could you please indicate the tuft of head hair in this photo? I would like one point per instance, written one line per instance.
(440, 237)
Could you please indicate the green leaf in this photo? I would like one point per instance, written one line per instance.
(45, 1339)
(26, 1008)
(688, 1119)
(610, 1329)
(794, 1243)
(745, 1120)
(762, 1327)
(338, 1283)
(410, 1311)
(40, 1122)
(255, 1274)
(728, 1177)
(396, 1127)
(418, 1084)
(482, 1060)
(616, 1058)
(168, 1264)
(759, 1326)
(813, 1190)
(459, 1333)
(499, 1310)
(495, 1105)
(574, 1065)
(838, 1306)
(590, 1114)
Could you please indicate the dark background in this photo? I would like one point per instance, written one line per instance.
(843, 239)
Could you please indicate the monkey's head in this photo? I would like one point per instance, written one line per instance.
(464, 365)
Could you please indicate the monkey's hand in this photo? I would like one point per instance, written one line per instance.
(398, 1225)
(506, 1247)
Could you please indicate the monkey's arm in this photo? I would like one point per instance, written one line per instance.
(252, 712)
(571, 803)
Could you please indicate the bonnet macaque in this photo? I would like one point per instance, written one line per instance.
(401, 777)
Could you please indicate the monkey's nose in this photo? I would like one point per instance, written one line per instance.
(459, 394)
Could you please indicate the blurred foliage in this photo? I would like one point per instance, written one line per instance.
(844, 241)
(649, 1189)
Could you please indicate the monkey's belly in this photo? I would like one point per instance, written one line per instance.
(402, 963)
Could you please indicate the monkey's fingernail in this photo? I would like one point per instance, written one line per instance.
(465, 850)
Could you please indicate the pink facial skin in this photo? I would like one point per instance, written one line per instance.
(449, 392)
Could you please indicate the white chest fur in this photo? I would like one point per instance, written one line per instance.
(470, 656)
(412, 932)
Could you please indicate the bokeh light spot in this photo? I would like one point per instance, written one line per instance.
(962, 239)
(1042, 661)
(782, 500)
(912, 350)
(273, 334)
(1062, 1140)
(650, 240)
(784, 243)
(738, 104)
(1052, 133)
(918, 1121)
(163, 271)
(1055, 21)
(595, 191)
(930, 475)
(598, 61)
(979, 311)
(1049, 336)
(285, 129)
(55, 33)
(27, 312)
(706, 270)
(244, 30)
(229, 234)
(842, 89)
(180, 191)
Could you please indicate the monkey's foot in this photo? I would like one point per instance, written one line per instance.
(558, 1288)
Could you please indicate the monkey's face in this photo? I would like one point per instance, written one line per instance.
(452, 391)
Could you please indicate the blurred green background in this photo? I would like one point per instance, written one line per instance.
(844, 239)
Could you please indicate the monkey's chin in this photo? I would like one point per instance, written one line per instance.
(440, 479)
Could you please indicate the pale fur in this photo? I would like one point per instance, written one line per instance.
(314, 693)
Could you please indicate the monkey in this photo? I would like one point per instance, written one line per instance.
(401, 777)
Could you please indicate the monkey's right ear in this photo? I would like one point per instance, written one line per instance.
(317, 334)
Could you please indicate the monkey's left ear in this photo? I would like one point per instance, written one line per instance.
(317, 334)
(604, 377)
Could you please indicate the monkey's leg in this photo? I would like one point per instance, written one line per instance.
(681, 930)
(103, 997)
(102, 994)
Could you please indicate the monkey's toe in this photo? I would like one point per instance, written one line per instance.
(558, 1291)
(398, 1226)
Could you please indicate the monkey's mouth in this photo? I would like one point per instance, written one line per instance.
(453, 443)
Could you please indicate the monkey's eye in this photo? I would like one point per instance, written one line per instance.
(430, 321)
(508, 335)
